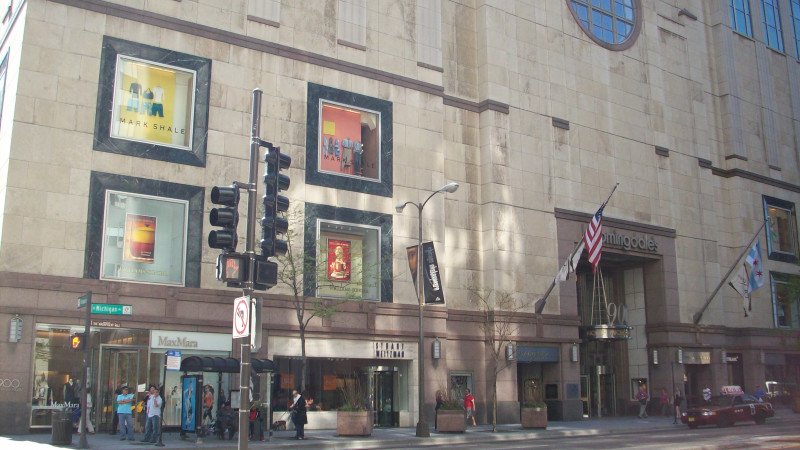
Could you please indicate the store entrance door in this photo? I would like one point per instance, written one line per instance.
(604, 393)
(118, 366)
(383, 380)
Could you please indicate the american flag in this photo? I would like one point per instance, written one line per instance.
(593, 237)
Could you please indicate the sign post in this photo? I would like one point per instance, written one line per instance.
(85, 301)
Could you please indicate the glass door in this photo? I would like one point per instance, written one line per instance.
(383, 390)
(119, 366)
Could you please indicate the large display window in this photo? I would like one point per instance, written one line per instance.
(117, 358)
(152, 103)
(350, 265)
(348, 141)
(352, 251)
(136, 234)
(144, 238)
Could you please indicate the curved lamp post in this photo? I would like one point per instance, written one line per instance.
(422, 426)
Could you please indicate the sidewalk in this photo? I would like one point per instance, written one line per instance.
(381, 437)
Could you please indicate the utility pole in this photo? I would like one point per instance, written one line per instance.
(87, 349)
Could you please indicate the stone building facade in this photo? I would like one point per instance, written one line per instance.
(118, 117)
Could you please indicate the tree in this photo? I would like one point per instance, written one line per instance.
(498, 310)
(305, 274)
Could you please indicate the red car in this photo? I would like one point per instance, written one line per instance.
(725, 410)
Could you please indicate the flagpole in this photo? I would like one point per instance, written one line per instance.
(699, 314)
(543, 301)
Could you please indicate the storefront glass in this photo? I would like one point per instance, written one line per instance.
(385, 383)
(57, 368)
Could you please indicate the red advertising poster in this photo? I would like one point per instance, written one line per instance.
(329, 383)
(338, 260)
(341, 129)
(140, 238)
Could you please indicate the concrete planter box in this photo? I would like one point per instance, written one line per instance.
(354, 423)
(451, 421)
(534, 417)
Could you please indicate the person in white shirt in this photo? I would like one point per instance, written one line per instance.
(152, 428)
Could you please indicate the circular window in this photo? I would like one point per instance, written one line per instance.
(614, 24)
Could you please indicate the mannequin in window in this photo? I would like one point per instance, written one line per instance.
(43, 393)
(158, 100)
(69, 391)
(133, 101)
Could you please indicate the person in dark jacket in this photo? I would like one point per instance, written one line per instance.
(299, 417)
(227, 420)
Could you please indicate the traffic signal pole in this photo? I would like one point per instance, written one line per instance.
(252, 203)
(87, 349)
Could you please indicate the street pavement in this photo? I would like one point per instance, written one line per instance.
(382, 437)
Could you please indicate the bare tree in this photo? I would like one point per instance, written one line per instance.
(499, 323)
(304, 275)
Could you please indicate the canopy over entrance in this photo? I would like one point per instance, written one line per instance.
(223, 365)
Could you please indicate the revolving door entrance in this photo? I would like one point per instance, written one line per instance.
(383, 390)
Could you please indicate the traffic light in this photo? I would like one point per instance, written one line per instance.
(271, 224)
(232, 268)
(227, 218)
(77, 342)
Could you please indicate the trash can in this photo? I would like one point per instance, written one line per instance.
(62, 428)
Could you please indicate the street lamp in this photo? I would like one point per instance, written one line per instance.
(422, 427)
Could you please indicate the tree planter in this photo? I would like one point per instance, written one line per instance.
(534, 417)
(354, 423)
(451, 421)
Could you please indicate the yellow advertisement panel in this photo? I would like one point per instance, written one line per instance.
(152, 103)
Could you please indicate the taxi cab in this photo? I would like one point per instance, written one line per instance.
(725, 410)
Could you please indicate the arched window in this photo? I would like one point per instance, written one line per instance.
(614, 24)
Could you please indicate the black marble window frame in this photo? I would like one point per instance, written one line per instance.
(384, 185)
(775, 254)
(100, 182)
(313, 212)
(196, 154)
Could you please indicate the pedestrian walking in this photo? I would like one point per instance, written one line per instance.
(642, 397)
(664, 403)
(299, 417)
(677, 405)
(469, 405)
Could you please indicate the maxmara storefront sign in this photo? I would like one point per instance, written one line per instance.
(189, 340)
(641, 242)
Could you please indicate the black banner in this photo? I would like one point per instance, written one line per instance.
(434, 293)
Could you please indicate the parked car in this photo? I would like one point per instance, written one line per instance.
(725, 410)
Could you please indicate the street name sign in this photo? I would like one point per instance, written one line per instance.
(116, 310)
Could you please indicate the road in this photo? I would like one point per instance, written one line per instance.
(741, 436)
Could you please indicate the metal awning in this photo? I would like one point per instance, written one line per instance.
(223, 365)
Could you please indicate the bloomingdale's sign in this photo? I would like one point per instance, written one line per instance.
(189, 340)
(640, 242)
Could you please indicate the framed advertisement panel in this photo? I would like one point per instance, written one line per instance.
(191, 402)
(152, 103)
(349, 263)
(134, 233)
(349, 142)
(144, 238)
